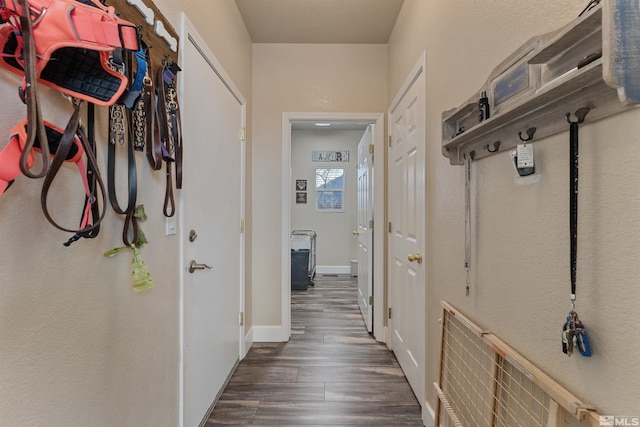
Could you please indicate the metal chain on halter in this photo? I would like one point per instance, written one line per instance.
(117, 127)
(139, 116)
(172, 106)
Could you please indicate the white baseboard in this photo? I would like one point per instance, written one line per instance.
(381, 336)
(248, 342)
(428, 415)
(333, 269)
(269, 334)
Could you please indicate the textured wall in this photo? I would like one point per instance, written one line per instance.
(79, 347)
(298, 78)
(520, 262)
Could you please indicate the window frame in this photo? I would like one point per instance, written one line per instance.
(320, 190)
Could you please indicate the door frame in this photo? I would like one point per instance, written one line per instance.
(379, 268)
(419, 70)
(189, 34)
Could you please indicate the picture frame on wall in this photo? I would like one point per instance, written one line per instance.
(301, 185)
(301, 197)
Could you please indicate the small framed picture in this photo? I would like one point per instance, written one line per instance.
(301, 197)
(301, 185)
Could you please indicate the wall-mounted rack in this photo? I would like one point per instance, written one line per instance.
(156, 30)
(592, 62)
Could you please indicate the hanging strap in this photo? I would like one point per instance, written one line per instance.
(121, 133)
(573, 205)
(573, 195)
(66, 142)
(170, 132)
(467, 220)
(154, 124)
(573, 331)
(29, 93)
(91, 207)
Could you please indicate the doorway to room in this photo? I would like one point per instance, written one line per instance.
(300, 128)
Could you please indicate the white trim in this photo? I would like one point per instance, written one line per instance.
(285, 314)
(379, 227)
(419, 68)
(379, 208)
(188, 33)
(428, 415)
(248, 342)
(333, 269)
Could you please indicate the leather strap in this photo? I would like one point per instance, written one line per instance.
(91, 211)
(66, 142)
(35, 125)
(132, 181)
(170, 132)
(119, 110)
(153, 124)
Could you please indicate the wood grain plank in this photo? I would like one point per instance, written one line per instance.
(332, 372)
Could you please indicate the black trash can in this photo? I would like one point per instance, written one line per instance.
(299, 269)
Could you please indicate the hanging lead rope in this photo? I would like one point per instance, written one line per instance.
(573, 332)
(467, 219)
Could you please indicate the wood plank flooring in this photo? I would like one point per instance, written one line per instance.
(331, 372)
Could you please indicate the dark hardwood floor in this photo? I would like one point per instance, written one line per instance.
(331, 372)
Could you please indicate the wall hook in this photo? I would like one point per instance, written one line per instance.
(530, 133)
(496, 147)
(580, 115)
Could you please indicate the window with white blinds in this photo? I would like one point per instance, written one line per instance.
(330, 189)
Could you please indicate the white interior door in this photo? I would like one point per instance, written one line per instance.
(364, 231)
(212, 208)
(407, 256)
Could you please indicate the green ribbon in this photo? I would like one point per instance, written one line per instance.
(140, 275)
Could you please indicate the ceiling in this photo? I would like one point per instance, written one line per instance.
(320, 21)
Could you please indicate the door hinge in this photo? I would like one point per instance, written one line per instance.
(370, 299)
(389, 140)
(389, 312)
(243, 134)
(371, 148)
(241, 319)
(241, 226)
(370, 224)
(389, 226)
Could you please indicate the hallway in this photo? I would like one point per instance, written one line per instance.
(331, 372)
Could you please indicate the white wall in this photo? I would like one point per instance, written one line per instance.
(79, 347)
(335, 244)
(298, 78)
(520, 262)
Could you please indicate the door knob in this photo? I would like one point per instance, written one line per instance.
(193, 266)
(415, 258)
(356, 233)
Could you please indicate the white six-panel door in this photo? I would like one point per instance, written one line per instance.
(407, 240)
